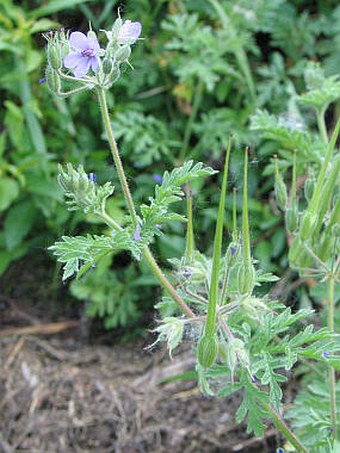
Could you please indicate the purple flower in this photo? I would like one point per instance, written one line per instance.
(84, 55)
(92, 177)
(129, 32)
(43, 80)
(254, 378)
(233, 251)
(158, 178)
(137, 237)
(186, 273)
(325, 355)
(158, 226)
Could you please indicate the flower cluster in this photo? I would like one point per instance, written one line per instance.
(89, 64)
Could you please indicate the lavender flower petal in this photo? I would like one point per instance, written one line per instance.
(78, 41)
(93, 43)
(129, 32)
(158, 178)
(82, 68)
(72, 60)
(94, 63)
(84, 55)
(137, 237)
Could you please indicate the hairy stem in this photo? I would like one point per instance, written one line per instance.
(285, 430)
(129, 201)
(322, 125)
(116, 156)
(331, 369)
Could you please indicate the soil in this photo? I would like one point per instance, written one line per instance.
(70, 392)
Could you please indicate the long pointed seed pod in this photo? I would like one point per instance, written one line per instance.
(207, 346)
(280, 187)
(234, 214)
(246, 273)
(190, 243)
(292, 215)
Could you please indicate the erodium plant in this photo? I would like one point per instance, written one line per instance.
(244, 342)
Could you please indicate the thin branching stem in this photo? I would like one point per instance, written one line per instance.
(129, 201)
(331, 369)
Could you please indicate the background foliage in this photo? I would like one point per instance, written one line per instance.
(204, 70)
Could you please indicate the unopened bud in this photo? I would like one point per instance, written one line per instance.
(295, 251)
(280, 188)
(116, 27)
(107, 65)
(325, 247)
(123, 53)
(307, 225)
(115, 74)
(91, 34)
(54, 55)
(53, 80)
(309, 188)
(246, 279)
(207, 351)
(292, 219)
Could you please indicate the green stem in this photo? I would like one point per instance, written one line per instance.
(293, 189)
(213, 291)
(165, 282)
(331, 369)
(128, 198)
(109, 221)
(193, 114)
(322, 125)
(234, 214)
(323, 171)
(245, 221)
(116, 156)
(284, 429)
(190, 244)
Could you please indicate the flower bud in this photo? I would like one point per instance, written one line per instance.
(115, 74)
(232, 254)
(280, 188)
(245, 278)
(325, 247)
(280, 192)
(307, 225)
(91, 34)
(54, 56)
(309, 188)
(292, 219)
(123, 53)
(116, 27)
(207, 351)
(53, 80)
(107, 65)
(295, 251)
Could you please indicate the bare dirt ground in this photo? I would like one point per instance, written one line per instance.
(59, 393)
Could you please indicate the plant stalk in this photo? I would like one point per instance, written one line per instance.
(210, 325)
(331, 369)
(322, 125)
(129, 201)
(284, 429)
(116, 156)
